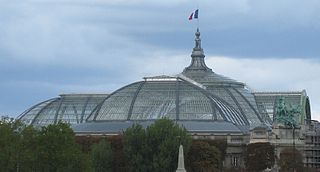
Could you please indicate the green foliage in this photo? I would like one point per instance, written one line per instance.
(87, 141)
(58, 151)
(204, 158)
(119, 163)
(254, 159)
(290, 159)
(28, 144)
(9, 144)
(17, 144)
(136, 149)
(156, 147)
(101, 156)
(164, 138)
(221, 144)
(52, 148)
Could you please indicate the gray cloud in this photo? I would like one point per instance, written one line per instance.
(53, 46)
(274, 75)
(48, 31)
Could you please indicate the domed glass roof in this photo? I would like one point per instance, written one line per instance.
(70, 108)
(165, 97)
(196, 95)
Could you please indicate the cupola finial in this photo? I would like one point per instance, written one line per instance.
(197, 63)
(198, 40)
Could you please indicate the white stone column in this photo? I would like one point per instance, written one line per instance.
(181, 161)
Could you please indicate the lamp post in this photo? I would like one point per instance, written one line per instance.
(291, 123)
(293, 146)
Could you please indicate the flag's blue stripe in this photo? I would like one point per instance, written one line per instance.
(196, 14)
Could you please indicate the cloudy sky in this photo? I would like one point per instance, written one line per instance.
(49, 47)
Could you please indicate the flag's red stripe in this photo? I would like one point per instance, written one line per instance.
(190, 18)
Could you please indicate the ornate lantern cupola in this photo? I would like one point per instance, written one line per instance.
(197, 64)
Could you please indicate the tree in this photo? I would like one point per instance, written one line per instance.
(27, 146)
(9, 142)
(164, 138)
(290, 159)
(221, 144)
(119, 163)
(52, 148)
(156, 147)
(101, 156)
(17, 144)
(136, 149)
(58, 151)
(204, 158)
(254, 160)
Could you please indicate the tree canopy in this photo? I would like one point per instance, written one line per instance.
(101, 156)
(254, 160)
(156, 147)
(51, 148)
(203, 157)
(58, 151)
(290, 159)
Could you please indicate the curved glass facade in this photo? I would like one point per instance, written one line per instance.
(70, 108)
(197, 95)
(177, 99)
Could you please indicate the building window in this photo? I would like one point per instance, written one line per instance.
(236, 140)
(235, 161)
(260, 133)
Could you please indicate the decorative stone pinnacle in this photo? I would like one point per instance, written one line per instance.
(198, 40)
(197, 63)
(181, 161)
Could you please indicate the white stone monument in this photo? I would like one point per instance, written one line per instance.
(181, 160)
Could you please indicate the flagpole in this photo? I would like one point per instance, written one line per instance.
(198, 23)
(198, 16)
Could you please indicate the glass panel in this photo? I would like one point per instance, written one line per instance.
(74, 108)
(247, 109)
(222, 93)
(32, 113)
(117, 106)
(48, 114)
(155, 100)
(193, 104)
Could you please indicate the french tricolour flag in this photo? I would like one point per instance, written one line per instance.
(194, 15)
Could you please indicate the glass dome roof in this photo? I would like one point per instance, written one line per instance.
(166, 97)
(196, 95)
(70, 108)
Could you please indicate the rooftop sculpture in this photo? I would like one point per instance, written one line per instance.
(286, 114)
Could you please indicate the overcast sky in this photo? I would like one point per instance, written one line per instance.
(50, 47)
